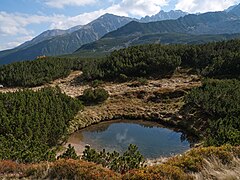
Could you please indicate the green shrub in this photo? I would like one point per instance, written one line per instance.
(70, 153)
(96, 83)
(94, 96)
(131, 159)
(123, 78)
(34, 73)
(217, 105)
(33, 123)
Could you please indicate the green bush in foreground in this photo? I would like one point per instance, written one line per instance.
(70, 153)
(218, 103)
(33, 123)
(131, 159)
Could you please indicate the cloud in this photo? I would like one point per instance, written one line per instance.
(11, 24)
(193, 6)
(16, 42)
(16, 23)
(123, 138)
(142, 7)
(135, 8)
(63, 3)
(138, 8)
(82, 19)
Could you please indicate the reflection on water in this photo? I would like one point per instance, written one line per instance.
(152, 139)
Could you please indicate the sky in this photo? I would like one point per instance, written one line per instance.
(21, 20)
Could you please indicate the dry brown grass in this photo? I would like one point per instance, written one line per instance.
(213, 168)
(131, 102)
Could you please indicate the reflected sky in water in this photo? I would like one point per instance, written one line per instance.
(153, 141)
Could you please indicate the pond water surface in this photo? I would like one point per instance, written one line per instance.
(152, 140)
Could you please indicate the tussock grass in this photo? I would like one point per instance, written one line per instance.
(214, 169)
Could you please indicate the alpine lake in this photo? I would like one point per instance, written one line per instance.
(152, 139)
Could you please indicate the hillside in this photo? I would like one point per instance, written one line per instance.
(44, 36)
(199, 163)
(126, 101)
(235, 10)
(106, 45)
(61, 42)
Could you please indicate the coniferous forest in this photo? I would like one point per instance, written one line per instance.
(217, 60)
(35, 73)
(217, 103)
(33, 123)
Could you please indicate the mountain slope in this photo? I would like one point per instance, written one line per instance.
(189, 29)
(106, 45)
(68, 43)
(162, 15)
(46, 35)
(208, 23)
(235, 10)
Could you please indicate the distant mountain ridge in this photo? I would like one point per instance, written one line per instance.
(213, 26)
(56, 42)
(162, 15)
(235, 10)
(46, 35)
(207, 23)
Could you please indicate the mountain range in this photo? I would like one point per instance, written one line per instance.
(110, 32)
(57, 42)
(190, 29)
(162, 15)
